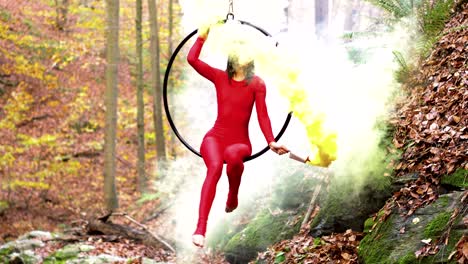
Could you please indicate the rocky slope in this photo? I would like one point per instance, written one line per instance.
(425, 221)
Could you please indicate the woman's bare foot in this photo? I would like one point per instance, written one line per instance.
(198, 240)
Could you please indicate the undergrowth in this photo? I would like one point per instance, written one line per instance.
(430, 17)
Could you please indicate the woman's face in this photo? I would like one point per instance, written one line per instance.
(239, 64)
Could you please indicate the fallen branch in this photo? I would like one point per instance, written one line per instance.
(126, 163)
(158, 213)
(311, 205)
(144, 236)
(325, 179)
(86, 154)
(32, 119)
(167, 245)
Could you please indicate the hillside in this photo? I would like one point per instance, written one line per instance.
(430, 129)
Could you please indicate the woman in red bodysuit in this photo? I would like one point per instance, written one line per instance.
(236, 90)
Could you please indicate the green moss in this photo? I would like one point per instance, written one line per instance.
(7, 249)
(64, 254)
(263, 231)
(443, 201)
(52, 260)
(375, 246)
(222, 234)
(459, 178)
(410, 258)
(444, 252)
(435, 228)
(368, 224)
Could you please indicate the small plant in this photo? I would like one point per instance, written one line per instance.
(28, 23)
(432, 18)
(5, 15)
(397, 8)
(403, 73)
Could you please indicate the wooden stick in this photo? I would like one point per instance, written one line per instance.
(311, 205)
(156, 215)
(167, 245)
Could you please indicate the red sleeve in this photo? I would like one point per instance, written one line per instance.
(262, 112)
(201, 67)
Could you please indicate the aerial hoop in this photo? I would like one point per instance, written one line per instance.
(166, 103)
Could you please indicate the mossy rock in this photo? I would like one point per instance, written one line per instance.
(370, 222)
(292, 191)
(26, 257)
(222, 234)
(435, 228)
(387, 244)
(67, 253)
(345, 208)
(458, 179)
(7, 249)
(264, 230)
(20, 251)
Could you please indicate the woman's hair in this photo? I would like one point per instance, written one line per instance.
(233, 63)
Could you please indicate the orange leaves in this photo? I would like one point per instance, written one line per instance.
(432, 132)
(462, 249)
(336, 248)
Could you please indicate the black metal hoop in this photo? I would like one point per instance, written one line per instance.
(166, 104)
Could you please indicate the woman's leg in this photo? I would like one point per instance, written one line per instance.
(211, 151)
(234, 156)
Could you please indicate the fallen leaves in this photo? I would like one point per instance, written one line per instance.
(432, 132)
(336, 248)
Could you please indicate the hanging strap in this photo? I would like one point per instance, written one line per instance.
(230, 14)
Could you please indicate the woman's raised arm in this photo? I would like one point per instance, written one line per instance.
(201, 67)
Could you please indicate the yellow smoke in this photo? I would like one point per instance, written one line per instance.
(283, 71)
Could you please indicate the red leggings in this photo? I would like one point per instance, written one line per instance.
(214, 153)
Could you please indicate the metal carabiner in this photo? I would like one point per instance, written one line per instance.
(229, 16)
(230, 13)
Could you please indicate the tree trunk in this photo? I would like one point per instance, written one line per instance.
(172, 147)
(156, 81)
(112, 35)
(61, 9)
(140, 103)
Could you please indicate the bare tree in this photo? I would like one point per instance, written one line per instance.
(140, 104)
(112, 49)
(172, 148)
(156, 81)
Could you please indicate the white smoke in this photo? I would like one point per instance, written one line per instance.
(352, 96)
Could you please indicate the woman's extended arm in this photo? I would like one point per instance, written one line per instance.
(201, 67)
(262, 112)
(264, 120)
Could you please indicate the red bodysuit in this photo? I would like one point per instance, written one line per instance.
(228, 140)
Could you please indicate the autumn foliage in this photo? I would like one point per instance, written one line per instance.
(52, 112)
